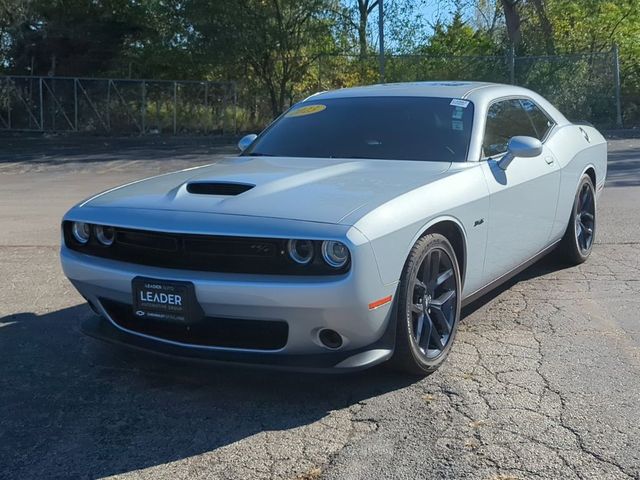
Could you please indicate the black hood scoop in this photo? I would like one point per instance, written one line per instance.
(218, 188)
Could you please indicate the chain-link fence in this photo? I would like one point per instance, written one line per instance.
(584, 87)
(116, 106)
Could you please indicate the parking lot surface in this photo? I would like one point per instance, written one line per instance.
(542, 382)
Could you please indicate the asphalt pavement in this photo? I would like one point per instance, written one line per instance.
(543, 381)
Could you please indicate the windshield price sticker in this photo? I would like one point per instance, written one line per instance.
(306, 110)
(456, 102)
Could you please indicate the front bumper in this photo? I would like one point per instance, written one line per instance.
(338, 362)
(306, 304)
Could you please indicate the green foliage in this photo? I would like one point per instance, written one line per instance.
(594, 26)
(274, 43)
(279, 51)
(459, 38)
(71, 37)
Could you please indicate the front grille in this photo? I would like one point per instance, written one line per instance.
(209, 253)
(210, 331)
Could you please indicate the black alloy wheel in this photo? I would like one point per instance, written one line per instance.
(428, 305)
(585, 218)
(579, 236)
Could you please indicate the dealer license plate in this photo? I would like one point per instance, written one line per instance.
(165, 300)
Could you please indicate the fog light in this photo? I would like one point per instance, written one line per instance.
(336, 254)
(300, 251)
(330, 338)
(105, 235)
(81, 232)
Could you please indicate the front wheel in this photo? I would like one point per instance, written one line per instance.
(428, 307)
(577, 242)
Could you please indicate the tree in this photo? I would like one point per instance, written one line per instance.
(594, 26)
(364, 9)
(278, 40)
(12, 13)
(512, 20)
(519, 12)
(166, 48)
(71, 37)
(458, 38)
(545, 25)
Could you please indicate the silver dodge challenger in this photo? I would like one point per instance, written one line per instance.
(351, 231)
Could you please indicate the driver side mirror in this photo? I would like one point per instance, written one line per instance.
(520, 147)
(246, 141)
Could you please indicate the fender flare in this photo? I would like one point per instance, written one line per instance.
(434, 221)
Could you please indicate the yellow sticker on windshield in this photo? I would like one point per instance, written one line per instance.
(306, 110)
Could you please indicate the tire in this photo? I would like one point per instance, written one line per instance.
(428, 306)
(578, 239)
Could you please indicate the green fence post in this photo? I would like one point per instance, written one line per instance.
(75, 104)
(616, 73)
(109, 105)
(511, 59)
(143, 112)
(235, 108)
(175, 107)
(41, 99)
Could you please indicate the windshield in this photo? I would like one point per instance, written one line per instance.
(389, 128)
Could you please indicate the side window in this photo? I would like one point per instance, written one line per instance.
(505, 119)
(540, 121)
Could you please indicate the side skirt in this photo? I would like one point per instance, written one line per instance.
(507, 276)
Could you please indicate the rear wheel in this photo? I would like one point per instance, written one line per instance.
(577, 242)
(428, 306)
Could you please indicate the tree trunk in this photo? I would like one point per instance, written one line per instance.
(364, 9)
(273, 97)
(363, 16)
(512, 19)
(362, 34)
(545, 25)
(282, 94)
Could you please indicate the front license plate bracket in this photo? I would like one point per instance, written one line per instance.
(165, 300)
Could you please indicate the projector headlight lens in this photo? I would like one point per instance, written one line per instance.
(300, 251)
(105, 235)
(336, 254)
(81, 232)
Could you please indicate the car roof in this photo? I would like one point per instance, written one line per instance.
(480, 93)
(446, 89)
(474, 91)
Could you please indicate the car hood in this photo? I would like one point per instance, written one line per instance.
(309, 189)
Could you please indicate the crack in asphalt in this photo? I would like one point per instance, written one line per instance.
(502, 406)
(542, 381)
(497, 407)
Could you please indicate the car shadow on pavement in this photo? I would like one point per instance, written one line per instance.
(74, 407)
(86, 149)
(546, 265)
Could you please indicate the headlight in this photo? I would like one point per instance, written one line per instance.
(336, 254)
(81, 232)
(300, 251)
(105, 235)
